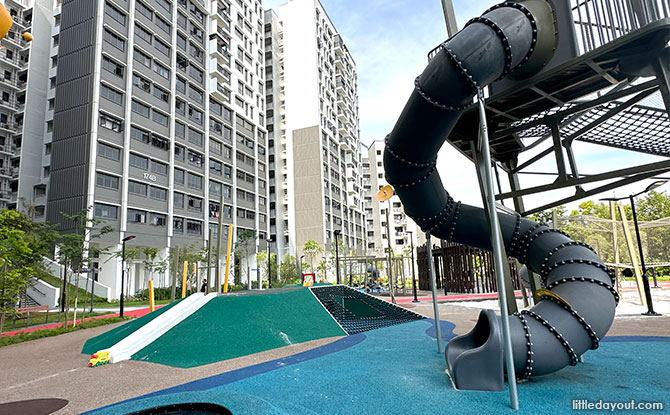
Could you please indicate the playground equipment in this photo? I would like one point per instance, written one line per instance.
(512, 40)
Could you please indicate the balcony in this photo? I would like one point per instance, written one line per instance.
(10, 149)
(223, 93)
(8, 197)
(12, 172)
(11, 127)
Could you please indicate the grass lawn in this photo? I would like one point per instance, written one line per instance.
(57, 282)
(38, 334)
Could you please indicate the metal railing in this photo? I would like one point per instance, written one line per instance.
(598, 22)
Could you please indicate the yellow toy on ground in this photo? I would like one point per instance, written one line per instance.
(98, 359)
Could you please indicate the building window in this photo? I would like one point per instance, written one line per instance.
(139, 108)
(156, 219)
(194, 227)
(179, 200)
(142, 58)
(137, 188)
(215, 188)
(178, 225)
(179, 153)
(195, 158)
(107, 180)
(161, 70)
(195, 94)
(106, 211)
(109, 152)
(194, 115)
(160, 118)
(180, 107)
(112, 66)
(141, 83)
(194, 137)
(194, 181)
(195, 203)
(143, 34)
(179, 176)
(215, 126)
(163, 25)
(179, 130)
(227, 171)
(181, 85)
(215, 167)
(165, 5)
(111, 123)
(195, 73)
(159, 168)
(111, 94)
(157, 193)
(144, 10)
(137, 216)
(115, 13)
(215, 107)
(161, 94)
(162, 47)
(215, 146)
(138, 161)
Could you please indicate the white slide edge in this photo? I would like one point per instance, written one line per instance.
(151, 331)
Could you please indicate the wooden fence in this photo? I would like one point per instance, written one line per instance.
(461, 269)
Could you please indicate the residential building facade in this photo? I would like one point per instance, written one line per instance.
(23, 85)
(313, 131)
(401, 225)
(158, 116)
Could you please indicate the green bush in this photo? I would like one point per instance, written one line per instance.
(38, 334)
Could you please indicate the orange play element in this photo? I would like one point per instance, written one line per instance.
(5, 21)
(385, 193)
(27, 36)
(98, 359)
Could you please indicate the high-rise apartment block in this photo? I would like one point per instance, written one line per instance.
(313, 132)
(158, 113)
(23, 85)
(400, 224)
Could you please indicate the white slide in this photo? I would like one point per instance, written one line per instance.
(142, 337)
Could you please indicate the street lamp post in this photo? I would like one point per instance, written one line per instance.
(337, 233)
(411, 242)
(645, 277)
(269, 240)
(300, 266)
(123, 269)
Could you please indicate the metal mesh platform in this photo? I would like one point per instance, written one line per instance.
(639, 128)
(357, 312)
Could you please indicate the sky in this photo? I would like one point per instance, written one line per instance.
(389, 40)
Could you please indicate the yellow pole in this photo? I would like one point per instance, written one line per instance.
(183, 280)
(230, 241)
(633, 255)
(152, 304)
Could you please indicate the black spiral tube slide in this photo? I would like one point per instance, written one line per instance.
(577, 307)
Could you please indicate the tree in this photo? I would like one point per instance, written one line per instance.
(311, 249)
(245, 240)
(22, 245)
(546, 216)
(76, 250)
(288, 271)
(262, 263)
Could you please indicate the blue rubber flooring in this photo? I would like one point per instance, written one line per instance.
(396, 370)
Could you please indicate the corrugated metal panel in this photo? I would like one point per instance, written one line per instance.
(75, 65)
(76, 37)
(72, 122)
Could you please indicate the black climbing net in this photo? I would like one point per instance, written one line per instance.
(357, 312)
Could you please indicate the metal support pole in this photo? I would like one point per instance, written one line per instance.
(209, 260)
(95, 272)
(219, 234)
(269, 265)
(123, 274)
(436, 311)
(645, 277)
(411, 241)
(496, 242)
(337, 256)
(390, 253)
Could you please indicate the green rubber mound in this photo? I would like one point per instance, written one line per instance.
(110, 338)
(238, 325)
